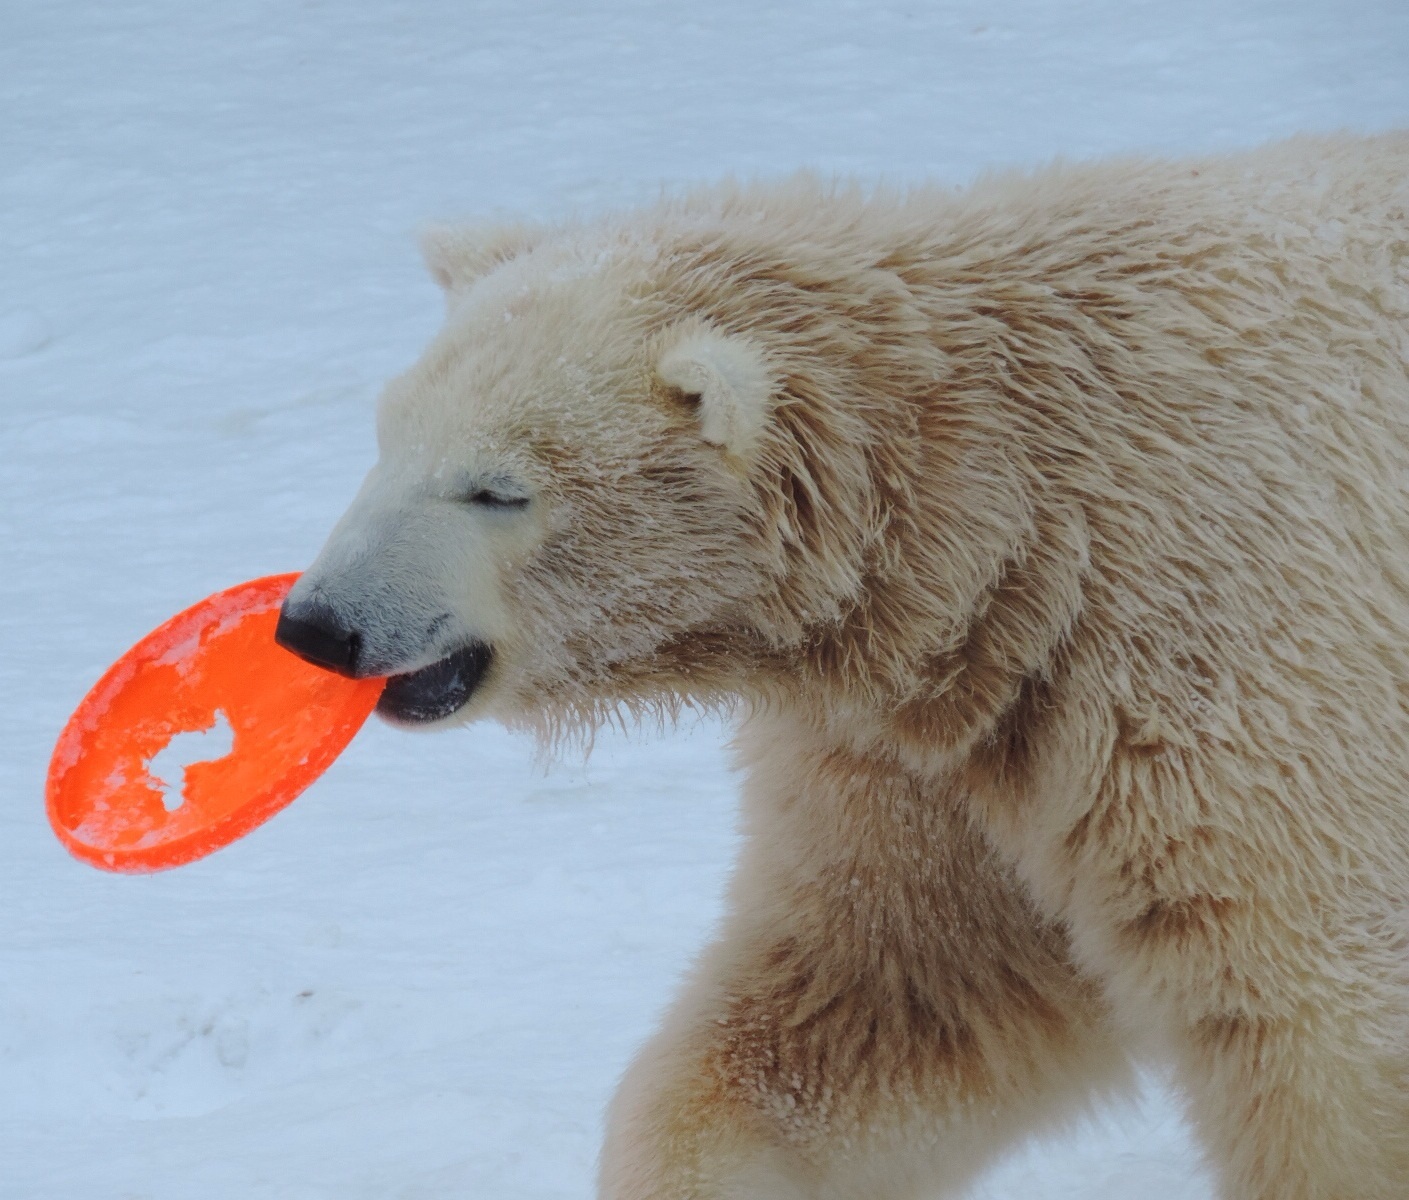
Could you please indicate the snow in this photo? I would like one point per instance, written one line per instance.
(423, 978)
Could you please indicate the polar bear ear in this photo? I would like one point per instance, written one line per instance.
(728, 380)
(457, 256)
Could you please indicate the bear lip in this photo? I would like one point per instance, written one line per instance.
(437, 691)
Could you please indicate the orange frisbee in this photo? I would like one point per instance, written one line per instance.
(272, 723)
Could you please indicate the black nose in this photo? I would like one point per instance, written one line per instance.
(313, 632)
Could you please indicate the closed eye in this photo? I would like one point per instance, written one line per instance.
(488, 498)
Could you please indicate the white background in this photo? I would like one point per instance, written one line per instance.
(422, 979)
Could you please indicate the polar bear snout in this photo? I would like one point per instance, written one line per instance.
(311, 629)
(313, 632)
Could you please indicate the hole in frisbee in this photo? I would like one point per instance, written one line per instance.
(167, 766)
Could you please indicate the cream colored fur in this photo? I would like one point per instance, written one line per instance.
(1054, 537)
(731, 381)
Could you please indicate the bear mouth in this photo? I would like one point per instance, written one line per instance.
(437, 691)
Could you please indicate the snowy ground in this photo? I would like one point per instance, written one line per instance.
(422, 979)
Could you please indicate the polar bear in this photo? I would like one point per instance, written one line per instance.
(1051, 539)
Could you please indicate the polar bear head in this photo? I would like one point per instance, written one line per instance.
(565, 514)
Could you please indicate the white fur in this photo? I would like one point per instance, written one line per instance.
(457, 256)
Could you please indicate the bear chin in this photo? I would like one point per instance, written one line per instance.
(437, 691)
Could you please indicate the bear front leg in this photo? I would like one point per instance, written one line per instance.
(1269, 944)
(1302, 1107)
(1290, 1025)
(883, 1012)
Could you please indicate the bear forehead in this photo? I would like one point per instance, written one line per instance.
(522, 377)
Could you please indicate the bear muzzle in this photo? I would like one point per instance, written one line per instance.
(314, 632)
